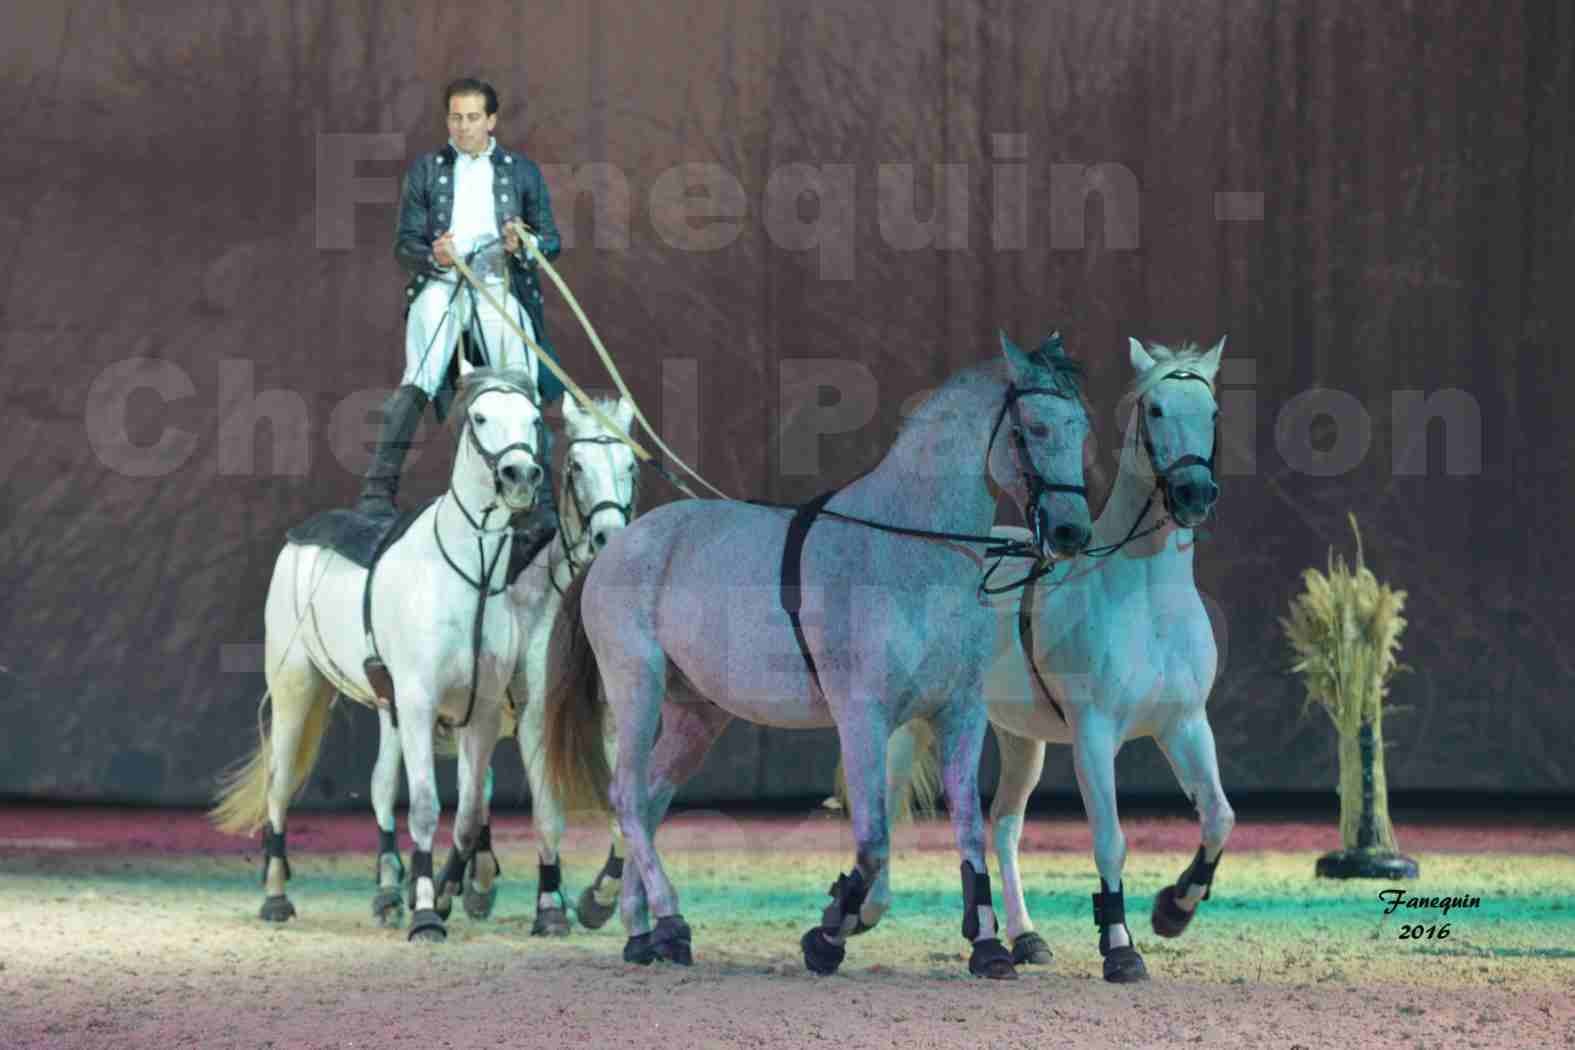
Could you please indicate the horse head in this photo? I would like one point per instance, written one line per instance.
(1041, 462)
(505, 433)
(600, 475)
(1176, 420)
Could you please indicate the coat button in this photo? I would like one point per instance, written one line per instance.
(508, 160)
(442, 178)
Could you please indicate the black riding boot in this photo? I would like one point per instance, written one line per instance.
(401, 416)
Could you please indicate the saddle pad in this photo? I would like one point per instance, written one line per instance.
(351, 535)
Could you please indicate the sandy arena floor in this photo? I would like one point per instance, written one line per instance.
(126, 929)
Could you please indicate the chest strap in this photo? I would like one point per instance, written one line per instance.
(1025, 632)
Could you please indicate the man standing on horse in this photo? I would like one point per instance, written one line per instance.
(465, 201)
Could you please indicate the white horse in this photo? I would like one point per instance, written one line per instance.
(440, 623)
(598, 493)
(1121, 648)
(685, 620)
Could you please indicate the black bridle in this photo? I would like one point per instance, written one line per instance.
(1032, 479)
(625, 510)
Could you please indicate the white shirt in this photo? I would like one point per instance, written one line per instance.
(475, 219)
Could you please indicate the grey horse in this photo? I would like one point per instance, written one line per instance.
(682, 623)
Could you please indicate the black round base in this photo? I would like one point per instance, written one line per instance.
(1366, 864)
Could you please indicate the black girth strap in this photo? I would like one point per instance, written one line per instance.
(792, 552)
(1025, 632)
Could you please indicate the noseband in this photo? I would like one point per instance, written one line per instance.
(1032, 479)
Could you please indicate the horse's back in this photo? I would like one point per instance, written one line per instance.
(314, 608)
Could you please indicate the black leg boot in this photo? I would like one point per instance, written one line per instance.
(401, 416)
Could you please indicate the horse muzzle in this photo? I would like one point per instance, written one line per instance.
(518, 479)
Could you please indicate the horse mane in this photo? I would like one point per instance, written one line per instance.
(1066, 375)
(1167, 362)
(479, 379)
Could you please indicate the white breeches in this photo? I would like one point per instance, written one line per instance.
(434, 324)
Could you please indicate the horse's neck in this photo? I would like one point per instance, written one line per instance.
(459, 536)
(1168, 547)
(563, 553)
(934, 476)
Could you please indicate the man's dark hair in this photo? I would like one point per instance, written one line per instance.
(471, 86)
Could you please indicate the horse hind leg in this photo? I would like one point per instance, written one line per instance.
(301, 698)
(388, 902)
(688, 731)
(634, 677)
(1022, 762)
(1190, 750)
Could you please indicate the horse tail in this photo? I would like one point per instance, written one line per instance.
(575, 711)
(241, 807)
(919, 788)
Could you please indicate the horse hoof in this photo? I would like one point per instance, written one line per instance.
(478, 903)
(277, 909)
(427, 925)
(551, 922)
(1031, 950)
(820, 955)
(638, 950)
(1169, 918)
(593, 915)
(1125, 966)
(443, 905)
(991, 959)
(671, 940)
(388, 907)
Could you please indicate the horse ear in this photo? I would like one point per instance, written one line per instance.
(1211, 360)
(625, 414)
(1141, 359)
(1017, 362)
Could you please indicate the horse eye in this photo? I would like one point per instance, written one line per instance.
(481, 420)
(1038, 430)
(1154, 411)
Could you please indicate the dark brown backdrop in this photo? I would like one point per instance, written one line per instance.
(1412, 234)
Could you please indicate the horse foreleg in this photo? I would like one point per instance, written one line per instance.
(1022, 761)
(901, 748)
(864, 742)
(1190, 749)
(552, 914)
(1094, 756)
(476, 744)
(388, 903)
(960, 729)
(417, 715)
